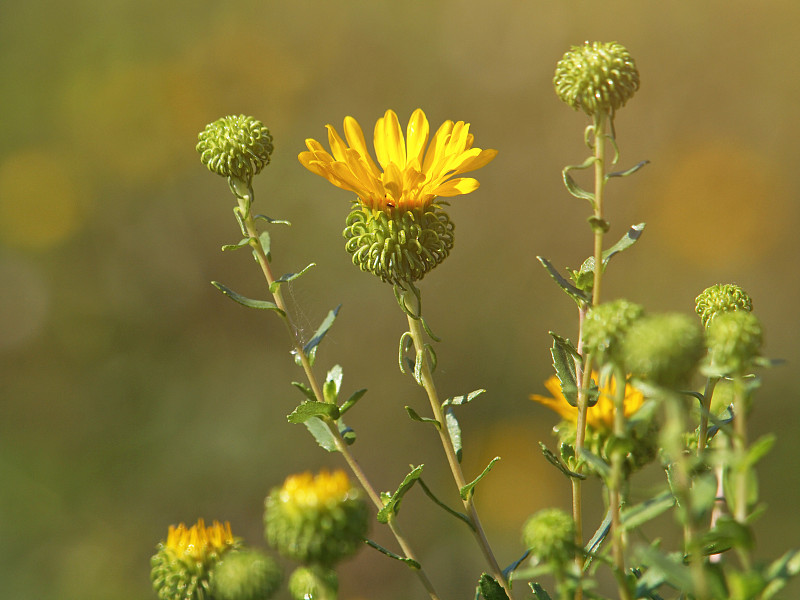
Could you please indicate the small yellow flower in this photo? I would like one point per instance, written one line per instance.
(411, 172)
(598, 417)
(199, 541)
(306, 490)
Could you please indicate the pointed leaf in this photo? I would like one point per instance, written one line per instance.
(559, 464)
(456, 514)
(248, 302)
(599, 536)
(637, 515)
(415, 417)
(780, 571)
(626, 241)
(270, 220)
(596, 463)
(322, 434)
(627, 172)
(573, 292)
(264, 240)
(467, 490)
(307, 410)
(237, 245)
(454, 430)
(333, 382)
(350, 402)
(572, 187)
(392, 505)
(564, 364)
(307, 391)
(461, 400)
(539, 592)
(490, 589)
(322, 330)
(288, 277)
(513, 566)
(409, 561)
(759, 449)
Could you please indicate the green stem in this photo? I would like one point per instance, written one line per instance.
(740, 445)
(705, 409)
(426, 381)
(601, 122)
(261, 257)
(615, 495)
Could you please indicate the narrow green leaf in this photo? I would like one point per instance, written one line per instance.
(780, 571)
(416, 417)
(665, 568)
(637, 515)
(627, 172)
(596, 463)
(409, 561)
(571, 185)
(288, 277)
(264, 240)
(307, 392)
(418, 362)
(578, 295)
(454, 430)
(322, 434)
(350, 402)
(307, 410)
(564, 364)
(347, 433)
(467, 490)
(322, 330)
(513, 566)
(539, 592)
(332, 385)
(237, 245)
(270, 220)
(392, 506)
(626, 241)
(456, 514)
(759, 449)
(559, 464)
(461, 400)
(490, 589)
(406, 340)
(248, 302)
(598, 537)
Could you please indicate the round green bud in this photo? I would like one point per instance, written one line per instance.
(316, 520)
(606, 324)
(550, 535)
(721, 298)
(398, 246)
(313, 583)
(734, 340)
(245, 575)
(596, 77)
(235, 146)
(663, 349)
(182, 567)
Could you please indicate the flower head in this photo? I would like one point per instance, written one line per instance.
(235, 146)
(596, 77)
(719, 299)
(412, 173)
(598, 417)
(316, 519)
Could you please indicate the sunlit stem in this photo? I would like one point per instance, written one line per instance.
(615, 492)
(248, 222)
(601, 122)
(740, 409)
(426, 381)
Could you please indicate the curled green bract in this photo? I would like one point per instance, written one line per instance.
(398, 246)
(237, 147)
(598, 77)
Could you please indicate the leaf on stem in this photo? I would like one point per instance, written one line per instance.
(539, 592)
(456, 514)
(333, 382)
(309, 409)
(454, 430)
(241, 243)
(264, 241)
(586, 272)
(323, 329)
(490, 589)
(348, 433)
(578, 295)
(467, 491)
(559, 464)
(270, 220)
(416, 417)
(288, 277)
(637, 515)
(461, 400)
(780, 571)
(307, 391)
(596, 463)
(572, 186)
(319, 429)
(564, 355)
(248, 302)
(409, 561)
(627, 172)
(350, 402)
(392, 505)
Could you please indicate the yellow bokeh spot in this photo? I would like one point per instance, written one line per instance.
(720, 203)
(309, 490)
(41, 203)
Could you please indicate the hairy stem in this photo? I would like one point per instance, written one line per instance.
(426, 381)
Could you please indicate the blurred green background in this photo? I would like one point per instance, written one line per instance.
(134, 395)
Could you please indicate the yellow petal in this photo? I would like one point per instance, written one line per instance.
(456, 187)
(355, 137)
(561, 407)
(416, 136)
(393, 181)
(336, 143)
(474, 159)
(391, 136)
(437, 145)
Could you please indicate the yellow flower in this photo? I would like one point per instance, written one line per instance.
(598, 417)
(307, 490)
(408, 176)
(199, 541)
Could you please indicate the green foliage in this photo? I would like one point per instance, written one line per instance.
(248, 302)
(319, 334)
(288, 277)
(490, 589)
(391, 504)
(466, 491)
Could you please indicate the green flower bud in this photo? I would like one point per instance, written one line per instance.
(550, 536)
(182, 567)
(235, 146)
(606, 324)
(245, 575)
(596, 77)
(663, 349)
(398, 246)
(316, 519)
(313, 583)
(721, 298)
(734, 340)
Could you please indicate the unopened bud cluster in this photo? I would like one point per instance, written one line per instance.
(550, 536)
(605, 325)
(719, 299)
(238, 147)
